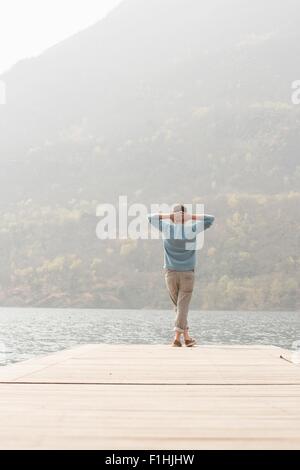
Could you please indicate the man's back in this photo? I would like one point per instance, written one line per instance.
(179, 241)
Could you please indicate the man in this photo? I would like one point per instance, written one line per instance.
(180, 230)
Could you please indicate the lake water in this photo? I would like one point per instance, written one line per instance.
(25, 333)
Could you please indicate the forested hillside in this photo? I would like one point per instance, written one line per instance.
(162, 101)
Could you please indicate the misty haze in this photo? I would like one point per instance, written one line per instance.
(150, 229)
(161, 101)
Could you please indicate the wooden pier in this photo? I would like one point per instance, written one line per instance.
(102, 396)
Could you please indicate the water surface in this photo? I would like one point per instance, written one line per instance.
(25, 333)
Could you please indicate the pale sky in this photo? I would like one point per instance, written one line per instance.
(27, 27)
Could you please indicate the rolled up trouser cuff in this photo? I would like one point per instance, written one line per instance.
(180, 330)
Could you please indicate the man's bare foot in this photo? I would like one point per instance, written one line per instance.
(186, 335)
(176, 343)
(189, 342)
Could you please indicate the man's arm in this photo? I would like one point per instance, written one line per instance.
(159, 216)
(165, 216)
(156, 219)
(207, 220)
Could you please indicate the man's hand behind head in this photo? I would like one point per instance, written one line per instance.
(180, 217)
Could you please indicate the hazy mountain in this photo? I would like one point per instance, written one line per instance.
(161, 88)
(163, 100)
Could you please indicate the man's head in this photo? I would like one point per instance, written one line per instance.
(179, 208)
(178, 211)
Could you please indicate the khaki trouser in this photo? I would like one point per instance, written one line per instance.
(180, 286)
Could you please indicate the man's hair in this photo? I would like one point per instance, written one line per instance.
(179, 208)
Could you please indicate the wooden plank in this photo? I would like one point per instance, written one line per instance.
(149, 416)
(156, 364)
(291, 356)
(152, 397)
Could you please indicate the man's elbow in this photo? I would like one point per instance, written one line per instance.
(208, 221)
